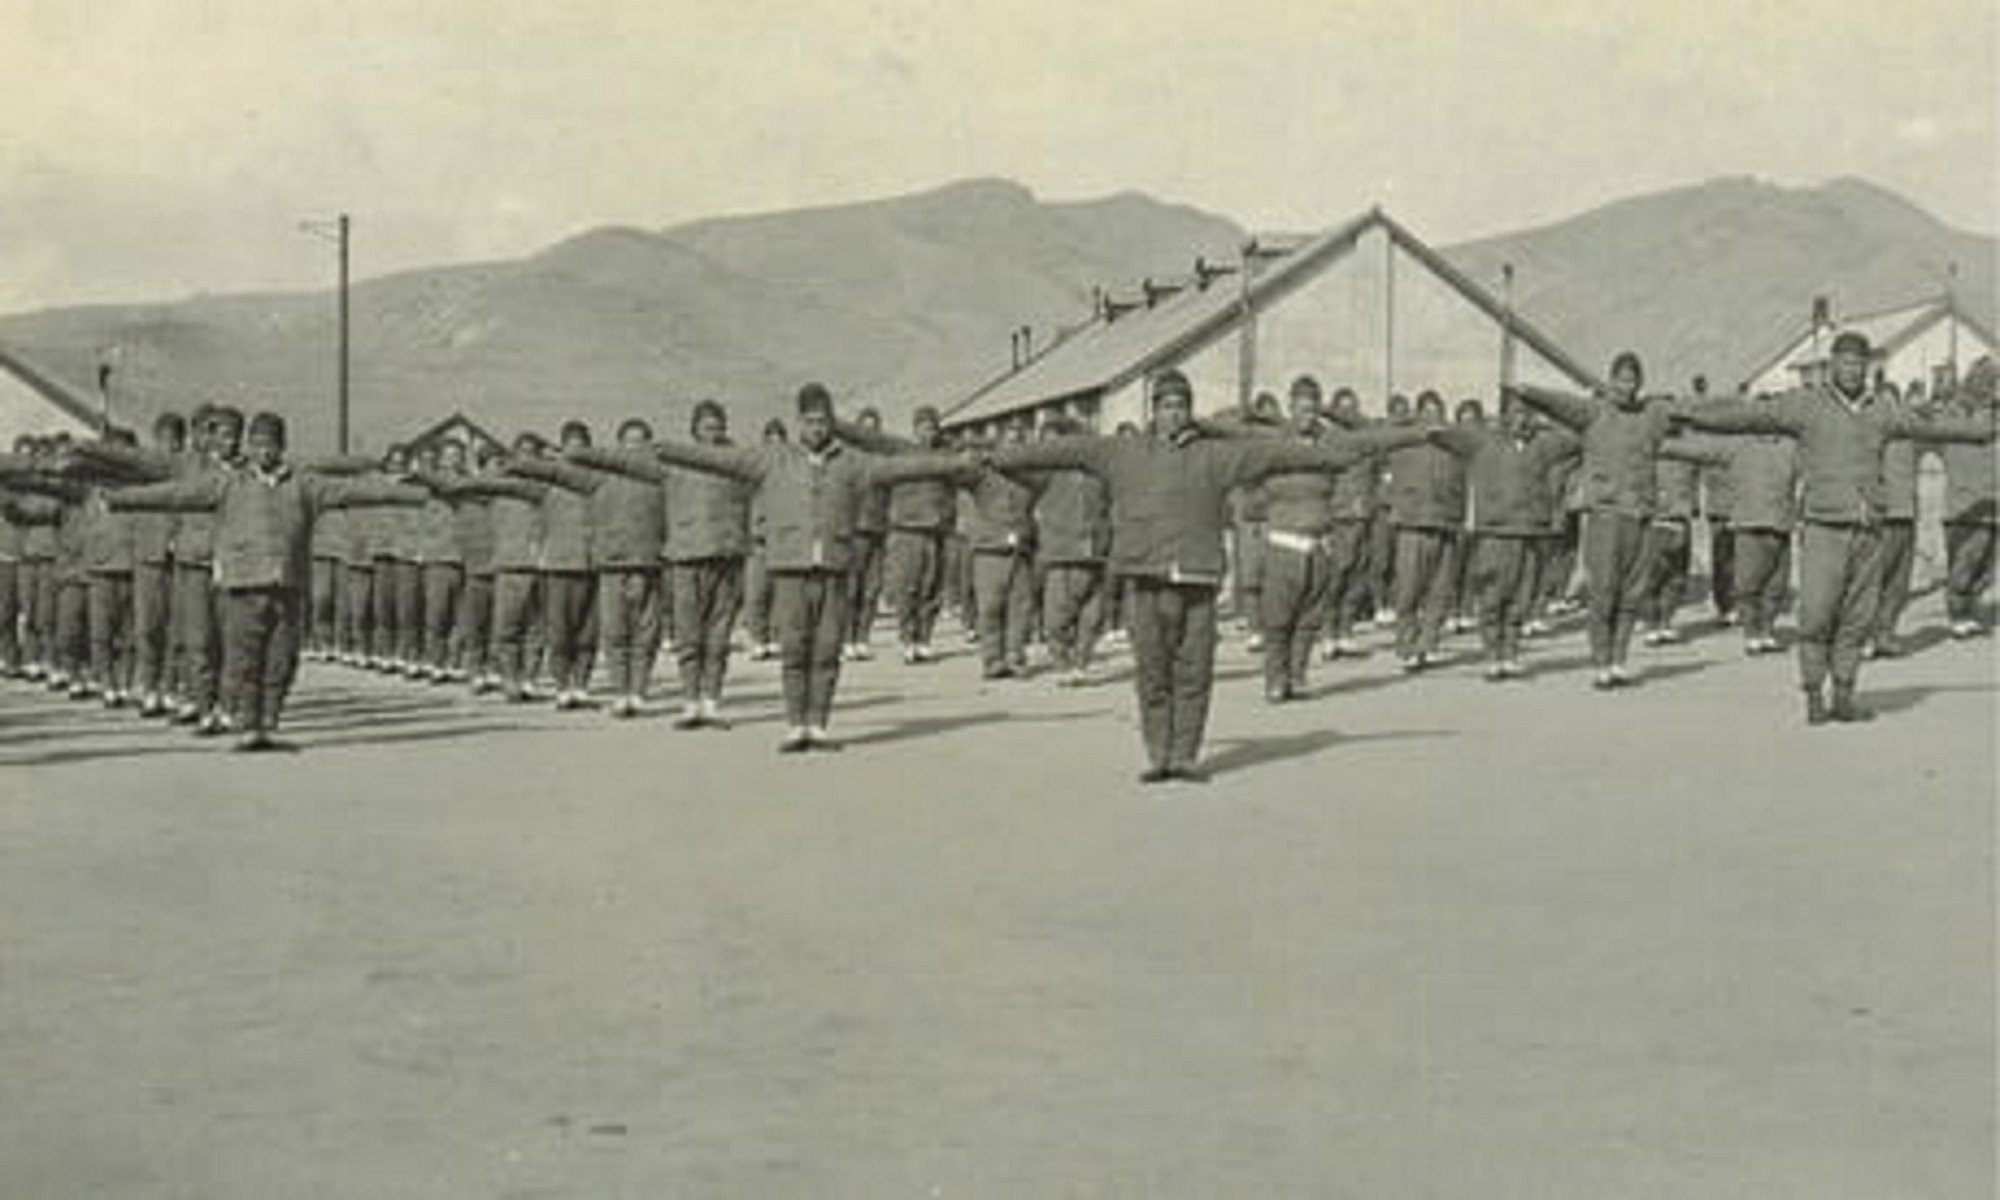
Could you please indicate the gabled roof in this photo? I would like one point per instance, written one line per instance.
(1106, 353)
(60, 394)
(1888, 330)
(439, 428)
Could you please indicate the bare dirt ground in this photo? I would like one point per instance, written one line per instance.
(1419, 938)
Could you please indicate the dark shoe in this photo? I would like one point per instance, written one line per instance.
(796, 743)
(1155, 775)
(1815, 708)
(1846, 711)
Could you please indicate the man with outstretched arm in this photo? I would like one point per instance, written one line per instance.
(1841, 432)
(809, 489)
(1169, 501)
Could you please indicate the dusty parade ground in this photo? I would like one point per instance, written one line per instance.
(1419, 938)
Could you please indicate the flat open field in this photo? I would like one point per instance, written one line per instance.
(1419, 938)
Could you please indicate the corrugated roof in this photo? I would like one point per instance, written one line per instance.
(1105, 354)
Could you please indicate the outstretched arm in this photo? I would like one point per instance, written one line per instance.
(737, 462)
(338, 464)
(1938, 429)
(567, 476)
(134, 463)
(1092, 454)
(366, 493)
(1738, 416)
(488, 486)
(902, 468)
(875, 441)
(178, 495)
(633, 464)
(1570, 409)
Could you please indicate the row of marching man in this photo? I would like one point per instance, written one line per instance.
(191, 576)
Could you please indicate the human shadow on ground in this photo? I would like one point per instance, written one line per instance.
(1243, 753)
(1902, 699)
(77, 754)
(927, 726)
(774, 714)
(309, 739)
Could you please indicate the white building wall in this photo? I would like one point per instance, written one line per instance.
(1932, 350)
(1337, 328)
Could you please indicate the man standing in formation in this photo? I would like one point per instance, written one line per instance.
(1841, 431)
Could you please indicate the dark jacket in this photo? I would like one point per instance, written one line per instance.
(1514, 482)
(1169, 499)
(1426, 488)
(513, 517)
(1620, 472)
(1840, 444)
(1763, 482)
(1969, 484)
(567, 529)
(1003, 512)
(808, 498)
(1072, 518)
(707, 516)
(263, 522)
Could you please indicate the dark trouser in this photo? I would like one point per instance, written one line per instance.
(1003, 583)
(1899, 561)
(1290, 603)
(628, 622)
(914, 576)
(72, 655)
(1247, 577)
(1560, 563)
(1346, 577)
(809, 609)
(1667, 555)
(1721, 564)
(569, 601)
(1381, 574)
(1763, 569)
(197, 639)
(757, 597)
(958, 590)
(387, 636)
(1968, 547)
(1462, 600)
(1173, 648)
(443, 591)
(35, 589)
(1503, 577)
(706, 595)
(1840, 591)
(324, 586)
(864, 584)
(152, 624)
(1614, 558)
(1423, 586)
(472, 651)
(406, 595)
(357, 608)
(259, 631)
(1073, 602)
(11, 577)
(515, 609)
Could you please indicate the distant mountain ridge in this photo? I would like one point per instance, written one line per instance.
(913, 298)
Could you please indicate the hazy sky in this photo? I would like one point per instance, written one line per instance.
(154, 148)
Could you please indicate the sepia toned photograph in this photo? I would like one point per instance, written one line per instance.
(1381, 601)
